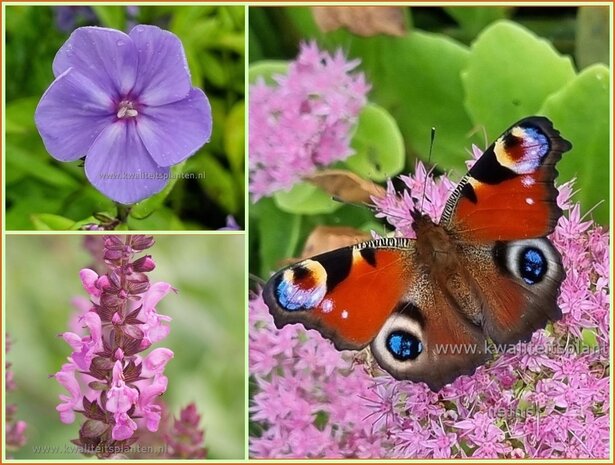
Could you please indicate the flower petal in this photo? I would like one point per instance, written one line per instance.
(119, 166)
(163, 76)
(71, 114)
(106, 56)
(175, 131)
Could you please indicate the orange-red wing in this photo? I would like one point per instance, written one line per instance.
(346, 294)
(509, 193)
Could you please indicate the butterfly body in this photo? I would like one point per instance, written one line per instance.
(428, 306)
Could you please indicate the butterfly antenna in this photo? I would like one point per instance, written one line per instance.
(431, 141)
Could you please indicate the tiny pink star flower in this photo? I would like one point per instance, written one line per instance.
(547, 398)
(304, 121)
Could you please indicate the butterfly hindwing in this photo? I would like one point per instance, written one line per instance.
(509, 193)
(518, 283)
(427, 339)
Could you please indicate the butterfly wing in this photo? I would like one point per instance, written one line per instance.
(509, 193)
(346, 294)
(377, 293)
(500, 214)
(427, 339)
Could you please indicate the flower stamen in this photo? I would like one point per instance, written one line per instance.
(126, 109)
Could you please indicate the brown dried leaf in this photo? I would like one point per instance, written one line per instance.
(326, 238)
(346, 186)
(361, 20)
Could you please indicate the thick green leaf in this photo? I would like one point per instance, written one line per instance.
(420, 91)
(580, 111)
(509, 74)
(592, 39)
(378, 144)
(266, 69)
(305, 199)
(111, 16)
(474, 19)
(234, 136)
(278, 233)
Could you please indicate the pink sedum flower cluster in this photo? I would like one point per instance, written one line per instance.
(107, 377)
(548, 398)
(305, 120)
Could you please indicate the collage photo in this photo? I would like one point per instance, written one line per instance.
(306, 232)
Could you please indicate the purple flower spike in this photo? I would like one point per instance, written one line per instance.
(126, 103)
(109, 381)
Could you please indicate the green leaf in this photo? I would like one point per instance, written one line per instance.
(474, 19)
(305, 199)
(212, 68)
(144, 208)
(49, 222)
(509, 74)
(589, 338)
(162, 219)
(220, 185)
(18, 158)
(378, 144)
(267, 69)
(420, 91)
(234, 136)
(592, 38)
(20, 115)
(278, 233)
(580, 111)
(111, 16)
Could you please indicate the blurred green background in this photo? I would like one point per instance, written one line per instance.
(207, 332)
(42, 193)
(469, 71)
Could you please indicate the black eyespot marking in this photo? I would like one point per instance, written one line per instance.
(369, 255)
(403, 345)
(532, 265)
(467, 191)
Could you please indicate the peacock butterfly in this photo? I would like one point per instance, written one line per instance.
(427, 306)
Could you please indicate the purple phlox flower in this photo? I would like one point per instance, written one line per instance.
(231, 224)
(66, 17)
(304, 121)
(126, 103)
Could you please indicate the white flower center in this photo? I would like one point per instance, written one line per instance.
(126, 109)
